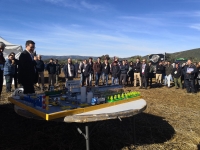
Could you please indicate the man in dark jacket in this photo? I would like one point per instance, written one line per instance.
(123, 73)
(2, 61)
(85, 70)
(130, 73)
(97, 67)
(144, 72)
(40, 70)
(76, 65)
(137, 72)
(15, 76)
(115, 69)
(58, 70)
(159, 72)
(51, 68)
(150, 75)
(91, 77)
(69, 70)
(27, 71)
(105, 71)
(176, 74)
(189, 75)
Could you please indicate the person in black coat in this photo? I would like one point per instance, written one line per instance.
(150, 75)
(27, 70)
(130, 73)
(123, 72)
(69, 70)
(58, 70)
(159, 72)
(115, 70)
(105, 71)
(2, 61)
(15, 77)
(144, 72)
(40, 70)
(85, 70)
(51, 68)
(76, 65)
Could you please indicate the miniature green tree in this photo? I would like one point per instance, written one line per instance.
(115, 97)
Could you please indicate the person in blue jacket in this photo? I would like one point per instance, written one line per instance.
(9, 72)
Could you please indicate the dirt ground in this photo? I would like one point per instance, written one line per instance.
(170, 122)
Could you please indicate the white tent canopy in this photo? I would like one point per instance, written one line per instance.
(17, 49)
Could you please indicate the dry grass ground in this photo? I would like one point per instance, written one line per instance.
(171, 121)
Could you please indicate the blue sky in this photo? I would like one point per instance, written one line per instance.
(120, 28)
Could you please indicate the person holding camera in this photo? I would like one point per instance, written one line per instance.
(189, 76)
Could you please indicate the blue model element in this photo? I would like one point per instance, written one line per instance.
(94, 101)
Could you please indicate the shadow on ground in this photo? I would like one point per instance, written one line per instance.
(17, 132)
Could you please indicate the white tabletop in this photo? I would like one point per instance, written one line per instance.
(133, 105)
(113, 112)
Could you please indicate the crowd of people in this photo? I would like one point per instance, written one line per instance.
(141, 73)
(29, 71)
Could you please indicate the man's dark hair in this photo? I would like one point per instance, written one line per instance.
(51, 58)
(99, 58)
(90, 58)
(56, 59)
(12, 53)
(29, 42)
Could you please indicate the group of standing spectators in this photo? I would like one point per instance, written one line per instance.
(29, 70)
(141, 73)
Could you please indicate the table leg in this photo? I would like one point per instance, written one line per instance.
(87, 137)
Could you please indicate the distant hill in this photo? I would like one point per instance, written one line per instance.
(189, 54)
(193, 54)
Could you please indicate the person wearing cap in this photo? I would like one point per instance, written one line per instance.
(9, 71)
(27, 72)
(2, 61)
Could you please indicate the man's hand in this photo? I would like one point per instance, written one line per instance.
(35, 58)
